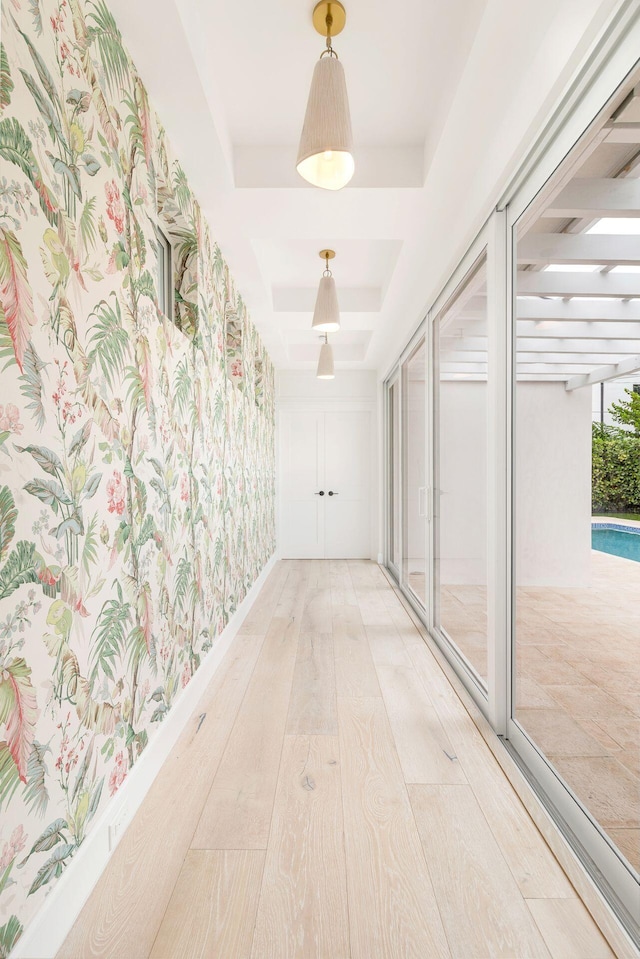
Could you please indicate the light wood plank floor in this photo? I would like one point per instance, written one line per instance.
(335, 801)
(578, 682)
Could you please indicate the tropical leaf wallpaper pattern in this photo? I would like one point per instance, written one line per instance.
(136, 451)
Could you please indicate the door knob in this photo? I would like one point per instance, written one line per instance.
(331, 493)
(321, 493)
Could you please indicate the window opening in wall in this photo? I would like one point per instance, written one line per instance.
(165, 274)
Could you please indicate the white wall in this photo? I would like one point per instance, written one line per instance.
(553, 485)
(304, 386)
(463, 483)
(350, 390)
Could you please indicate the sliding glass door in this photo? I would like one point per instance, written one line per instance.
(460, 349)
(575, 712)
(513, 452)
(394, 475)
(414, 469)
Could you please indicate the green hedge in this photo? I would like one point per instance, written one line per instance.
(615, 471)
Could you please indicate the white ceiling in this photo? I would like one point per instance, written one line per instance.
(244, 70)
(403, 59)
(442, 96)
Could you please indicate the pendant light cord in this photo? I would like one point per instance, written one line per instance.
(329, 51)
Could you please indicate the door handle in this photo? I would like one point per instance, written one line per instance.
(321, 493)
(331, 493)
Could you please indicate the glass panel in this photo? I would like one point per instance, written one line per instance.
(414, 498)
(460, 407)
(394, 485)
(577, 430)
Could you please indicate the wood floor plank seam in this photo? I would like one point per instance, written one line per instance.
(222, 751)
(377, 821)
(429, 871)
(302, 909)
(282, 743)
(350, 908)
(271, 826)
(415, 823)
(255, 915)
(227, 738)
(291, 619)
(213, 786)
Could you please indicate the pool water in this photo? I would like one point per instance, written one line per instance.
(618, 540)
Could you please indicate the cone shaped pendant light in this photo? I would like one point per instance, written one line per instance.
(325, 154)
(326, 315)
(325, 361)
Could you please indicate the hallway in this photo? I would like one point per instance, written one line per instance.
(331, 797)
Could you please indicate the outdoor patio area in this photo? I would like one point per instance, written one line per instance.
(578, 675)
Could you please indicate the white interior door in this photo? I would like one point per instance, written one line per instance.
(325, 481)
(347, 471)
(302, 513)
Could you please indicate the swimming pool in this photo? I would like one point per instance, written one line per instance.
(619, 540)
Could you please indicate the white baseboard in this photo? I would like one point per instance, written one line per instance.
(48, 929)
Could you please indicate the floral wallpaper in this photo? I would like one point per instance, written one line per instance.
(136, 448)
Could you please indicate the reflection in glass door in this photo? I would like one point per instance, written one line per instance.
(414, 500)
(460, 462)
(576, 709)
(394, 480)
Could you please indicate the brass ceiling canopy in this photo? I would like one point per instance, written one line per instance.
(329, 17)
(327, 254)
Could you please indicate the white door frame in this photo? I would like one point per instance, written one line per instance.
(391, 521)
(326, 405)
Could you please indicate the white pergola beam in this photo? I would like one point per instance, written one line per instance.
(551, 344)
(595, 197)
(463, 367)
(541, 345)
(583, 359)
(570, 369)
(532, 283)
(577, 309)
(575, 371)
(623, 132)
(591, 330)
(588, 248)
(604, 373)
(461, 376)
(541, 378)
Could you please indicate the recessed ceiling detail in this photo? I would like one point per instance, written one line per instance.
(235, 110)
